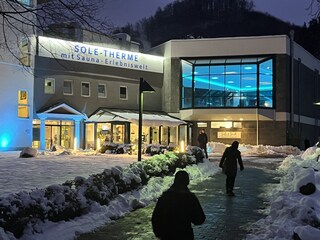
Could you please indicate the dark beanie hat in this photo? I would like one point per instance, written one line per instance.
(181, 179)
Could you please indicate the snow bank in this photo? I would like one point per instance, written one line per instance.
(293, 214)
(215, 148)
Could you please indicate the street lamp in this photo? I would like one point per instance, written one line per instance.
(143, 87)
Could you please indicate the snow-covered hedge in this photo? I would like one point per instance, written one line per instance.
(74, 198)
(150, 149)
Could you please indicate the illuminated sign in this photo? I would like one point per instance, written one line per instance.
(80, 52)
(229, 135)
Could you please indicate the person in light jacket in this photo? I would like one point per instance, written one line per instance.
(176, 210)
(229, 164)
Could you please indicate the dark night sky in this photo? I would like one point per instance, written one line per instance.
(125, 11)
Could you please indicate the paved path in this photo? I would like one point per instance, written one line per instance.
(227, 217)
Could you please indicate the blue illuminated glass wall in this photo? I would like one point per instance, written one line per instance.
(227, 83)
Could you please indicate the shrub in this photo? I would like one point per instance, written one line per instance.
(74, 198)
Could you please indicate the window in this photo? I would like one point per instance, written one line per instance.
(85, 89)
(49, 86)
(186, 96)
(227, 83)
(23, 107)
(266, 84)
(102, 90)
(123, 93)
(225, 124)
(67, 87)
(202, 125)
(25, 2)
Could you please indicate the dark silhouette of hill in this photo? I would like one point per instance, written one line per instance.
(214, 18)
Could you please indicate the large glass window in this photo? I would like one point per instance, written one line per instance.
(266, 84)
(186, 95)
(227, 83)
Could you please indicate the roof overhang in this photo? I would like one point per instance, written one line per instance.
(61, 111)
(227, 114)
(148, 118)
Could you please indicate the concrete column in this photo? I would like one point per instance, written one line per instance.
(42, 134)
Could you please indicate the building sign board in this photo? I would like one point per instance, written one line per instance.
(85, 53)
(229, 135)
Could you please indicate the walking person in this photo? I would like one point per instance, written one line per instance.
(229, 164)
(176, 210)
(203, 140)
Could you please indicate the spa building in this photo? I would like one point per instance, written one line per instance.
(257, 90)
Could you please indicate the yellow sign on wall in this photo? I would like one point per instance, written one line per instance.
(229, 135)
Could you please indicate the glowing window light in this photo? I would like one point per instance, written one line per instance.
(231, 72)
(228, 125)
(230, 87)
(105, 127)
(98, 143)
(182, 146)
(75, 143)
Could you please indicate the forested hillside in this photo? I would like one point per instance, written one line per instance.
(216, 18)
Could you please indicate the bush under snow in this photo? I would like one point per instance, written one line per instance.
(75, 198)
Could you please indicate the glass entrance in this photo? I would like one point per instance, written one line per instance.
(52, 136)
(59, 133)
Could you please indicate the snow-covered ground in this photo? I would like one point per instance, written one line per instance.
(289, 210)
(23, 174)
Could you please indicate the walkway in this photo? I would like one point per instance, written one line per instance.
(227, 217)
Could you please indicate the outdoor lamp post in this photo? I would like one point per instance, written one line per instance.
(143, 87)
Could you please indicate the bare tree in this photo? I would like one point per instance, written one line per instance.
(21, 19)
(314, 8)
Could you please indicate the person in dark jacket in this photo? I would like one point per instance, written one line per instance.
(229, 165)
(176, 210)
(203, 140)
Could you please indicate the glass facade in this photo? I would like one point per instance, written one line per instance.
(227, 83)
(57, 132)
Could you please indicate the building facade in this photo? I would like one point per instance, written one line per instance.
(257, 90)
(16, 67)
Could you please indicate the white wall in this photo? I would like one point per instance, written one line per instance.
(15, 133)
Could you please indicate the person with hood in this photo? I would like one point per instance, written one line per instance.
(229, 165)
(203, 140)
(176, 210)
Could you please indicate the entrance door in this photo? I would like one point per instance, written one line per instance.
(52, 136)
(67, 136)
(118, 131)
